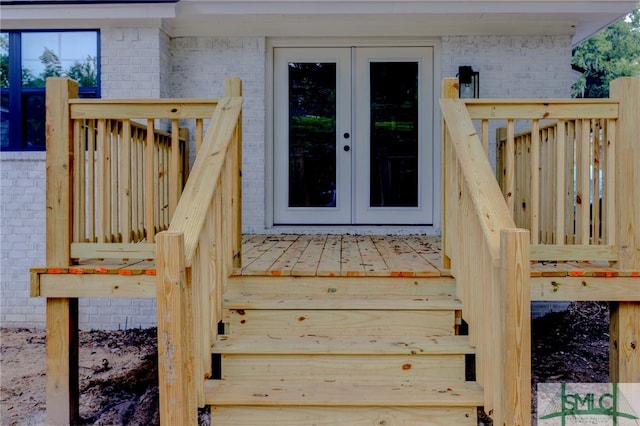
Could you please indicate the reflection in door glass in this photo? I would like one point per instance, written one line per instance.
(394, 134)
(312, 134)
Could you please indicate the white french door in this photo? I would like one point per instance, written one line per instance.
(353, 135)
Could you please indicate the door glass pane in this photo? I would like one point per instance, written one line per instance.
(394, 134)
(312, 134)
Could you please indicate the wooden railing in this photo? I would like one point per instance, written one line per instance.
(125, 173)
(194, 258)
(489, 257)
(559, 177)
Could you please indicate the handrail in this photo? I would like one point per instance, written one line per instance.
(194, 257)
(489, 258)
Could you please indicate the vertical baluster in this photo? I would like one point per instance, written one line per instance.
(570, 176)
(125, 181)
(535, 181)
(103, 170)
(559, 181)
(608, 190)
(582, 183)
(78, 177)
(199, 133)
(174, 167)
(595, 182)
(149, 194)
(510, 160)
(91, 180)
(115, 177)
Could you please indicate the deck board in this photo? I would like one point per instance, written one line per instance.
(331, 255)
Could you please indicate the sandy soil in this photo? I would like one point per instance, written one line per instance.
(118, 369)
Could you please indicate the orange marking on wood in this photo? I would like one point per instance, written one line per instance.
(150, 272)
(403, 274)
(635, 274)
(55, 271)
(101, 270)
(353, 273)
(275, 273)
(76, 271)
(125, 272)
(576, 273)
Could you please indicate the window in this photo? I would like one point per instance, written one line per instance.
(27, 58)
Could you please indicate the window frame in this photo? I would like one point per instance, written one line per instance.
(15, 91)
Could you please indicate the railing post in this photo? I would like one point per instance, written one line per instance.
(512, 301)
(62, 390)
(625, 316)
(232, 88)
(175, 332)
(450, 89)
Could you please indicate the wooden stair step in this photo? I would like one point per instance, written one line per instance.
(331, 367)
(345, 322)
(335, 301)
(341, 345)
(352, 393)
(290, 285)
(331, 416)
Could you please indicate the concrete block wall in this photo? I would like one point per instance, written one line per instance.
(147, 63)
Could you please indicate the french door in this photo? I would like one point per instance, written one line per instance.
(353, 135)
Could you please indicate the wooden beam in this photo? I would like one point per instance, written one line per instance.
(62, 390)
(95, 285)
(625, 317)
(585, 288)
(175, 333)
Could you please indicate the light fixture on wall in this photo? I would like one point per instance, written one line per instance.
(468, 82)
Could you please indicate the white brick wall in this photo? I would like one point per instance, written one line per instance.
(146, 63)
(199, 67)
(512, 67)
(22, 238)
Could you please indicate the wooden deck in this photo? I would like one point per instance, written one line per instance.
(340, 256)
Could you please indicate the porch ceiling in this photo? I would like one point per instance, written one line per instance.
(579, 18)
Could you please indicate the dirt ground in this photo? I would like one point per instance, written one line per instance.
(118, 369)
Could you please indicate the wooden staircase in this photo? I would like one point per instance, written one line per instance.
(327, 351)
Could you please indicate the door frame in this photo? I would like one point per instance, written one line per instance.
(272, 43)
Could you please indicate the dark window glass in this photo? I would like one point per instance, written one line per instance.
(312, 135)
(28, 58)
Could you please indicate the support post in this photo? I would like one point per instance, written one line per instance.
(514, 363)
(624, 355)
(62, 389)
(175, 332)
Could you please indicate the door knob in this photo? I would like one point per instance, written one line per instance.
(346, 135)
(347, 148)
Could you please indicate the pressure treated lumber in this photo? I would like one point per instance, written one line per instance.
(384, 393)
(342, 323)
(62, 389)
(175, 328)
(312, 416)
(252, 367)
(344, 345)
(625, 318)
